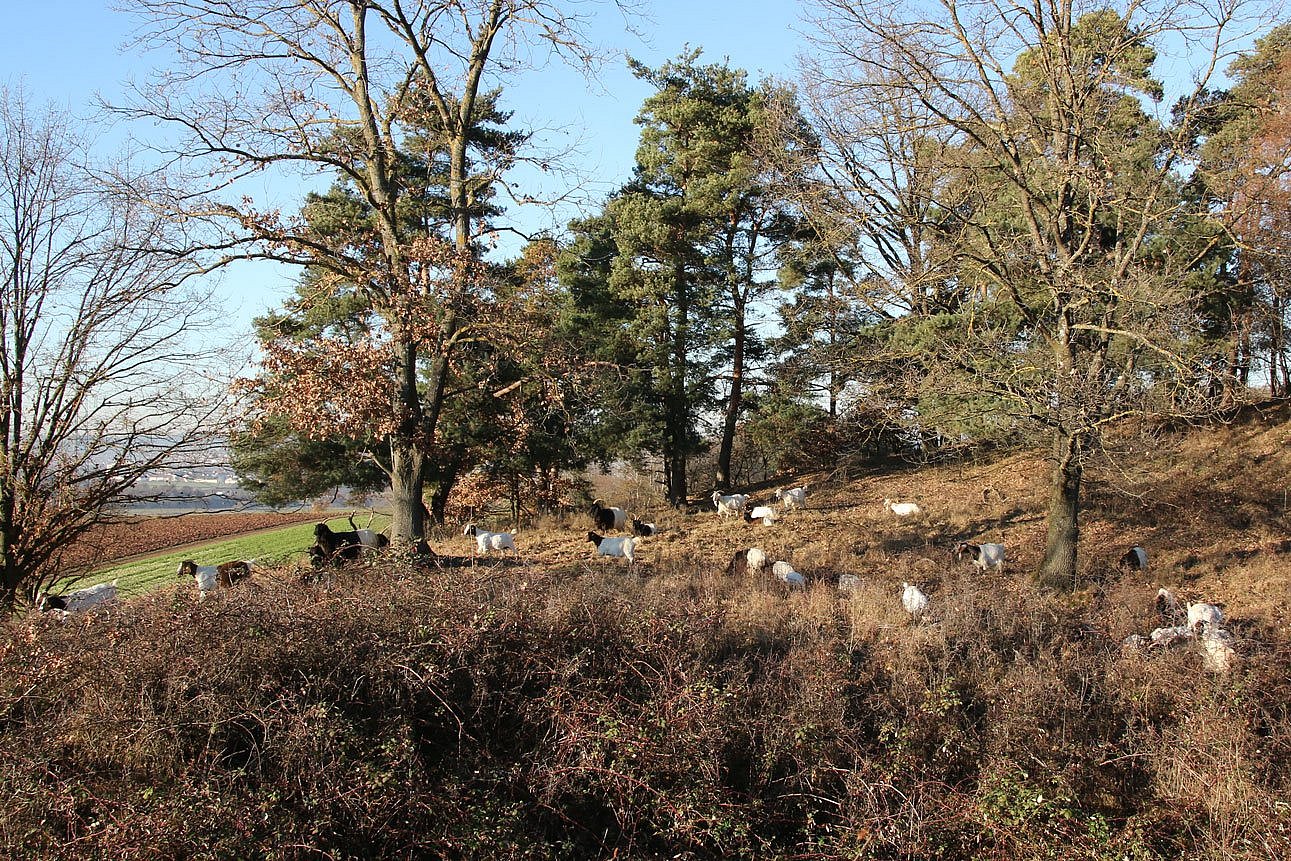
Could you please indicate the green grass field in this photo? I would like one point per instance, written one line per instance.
(271, 547)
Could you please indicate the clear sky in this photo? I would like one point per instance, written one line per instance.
(67, 51)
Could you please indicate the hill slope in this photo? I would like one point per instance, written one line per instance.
(564, 707)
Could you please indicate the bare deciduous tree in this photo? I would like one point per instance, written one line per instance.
(97, 373)
(1058, 192)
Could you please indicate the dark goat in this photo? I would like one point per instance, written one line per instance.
(333, 542)
(1134, 559)
(645, 530)
(607, 518)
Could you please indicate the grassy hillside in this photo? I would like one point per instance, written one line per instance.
(274, 549)
(564, 707)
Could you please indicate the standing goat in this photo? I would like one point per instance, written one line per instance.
(730, 506)
(607, 517)
(792, 499)
(987, 557)
(211, 577)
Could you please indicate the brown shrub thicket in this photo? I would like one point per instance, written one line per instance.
(579, 711)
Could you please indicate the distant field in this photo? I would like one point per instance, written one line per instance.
(268, 547)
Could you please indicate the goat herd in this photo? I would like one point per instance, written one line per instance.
(1200, 622)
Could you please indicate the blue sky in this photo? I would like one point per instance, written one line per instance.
(67, 51)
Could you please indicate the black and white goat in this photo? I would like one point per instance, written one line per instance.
(81, 599)
(624, 546)
(643, 530)
(607, 517)
(766, 513)
(344, 544)
(211, 577)
(1134, 559)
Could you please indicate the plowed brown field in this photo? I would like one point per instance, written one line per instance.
(152, 534)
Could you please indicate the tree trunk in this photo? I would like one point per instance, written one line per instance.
(407, 479)
(733, 404)
(1058, 570)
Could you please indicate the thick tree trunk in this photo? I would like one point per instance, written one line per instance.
(733, 405)
(1058, 570)
(407, 479)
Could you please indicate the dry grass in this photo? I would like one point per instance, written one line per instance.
(567, 706)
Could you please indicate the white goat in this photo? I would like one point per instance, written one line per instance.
(486, 541)
(902, 509)
(766, 513)
(1217, 650)
(1200, 613)
(1171, 635)
(792, 499)
(211, 577)
(730, 506)
(913, 599)
(849, 583)
(624, 546)
(785, 573)
(81, 599)
(987, 557)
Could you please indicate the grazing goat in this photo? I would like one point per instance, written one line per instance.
(1168, 607)
(644, 530)
(730, 506)
(913, 600)
(1202, 613)
(745, 561)
(987, 557)
(607, 517)
(81, 599)
(766, 513)
(1134, 559)
(211, 577)
(1216, 648)
(785, 573)
(792, 499)
(623, 546)
(486, 541)
(902, 509)
(332, 542)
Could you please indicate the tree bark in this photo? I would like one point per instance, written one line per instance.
(734, 403)
(407, 478)
(1058, 570)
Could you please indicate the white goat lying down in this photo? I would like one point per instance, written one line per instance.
(987, 557)
(486, 541)
(624, 545)
(902, 509)
(793, 498)
(211, 577)
(81, 599)
(766, 513)
(730, 506)
(785, 573)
